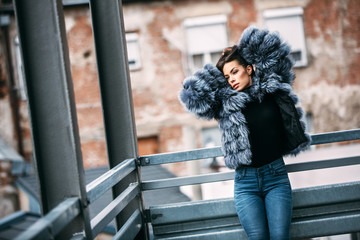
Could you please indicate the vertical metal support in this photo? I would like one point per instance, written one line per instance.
(55, 133)
(113, 70)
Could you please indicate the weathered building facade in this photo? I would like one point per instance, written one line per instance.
(165, 46)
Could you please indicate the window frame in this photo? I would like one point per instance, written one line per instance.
(204, 21)
(295, 14)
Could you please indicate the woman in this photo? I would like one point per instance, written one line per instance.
(249, 92)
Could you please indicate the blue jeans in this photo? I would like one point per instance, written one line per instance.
(263, 201)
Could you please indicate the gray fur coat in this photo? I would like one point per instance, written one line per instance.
(208, 95)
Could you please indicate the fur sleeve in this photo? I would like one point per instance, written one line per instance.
(200, 90)
(267, 52)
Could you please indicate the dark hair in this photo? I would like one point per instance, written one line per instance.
(230, 54)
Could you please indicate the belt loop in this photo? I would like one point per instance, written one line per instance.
(271, 167)
(243, 172)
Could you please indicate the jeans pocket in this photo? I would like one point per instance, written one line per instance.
(280, 171)
(240, 174)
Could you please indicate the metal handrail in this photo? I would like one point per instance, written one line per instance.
(337, 136)
(216, 177)
(100, 221)
(102, 184)
(191, 180)
(130, 228)
(52, 223)
(182, 156)
(322, 164)
(322, 138)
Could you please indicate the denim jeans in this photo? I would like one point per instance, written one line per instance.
(263, 201)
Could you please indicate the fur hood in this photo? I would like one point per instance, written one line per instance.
(208, 95)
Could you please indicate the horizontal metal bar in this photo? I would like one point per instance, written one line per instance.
(181, 156)
(9, 220)
(181, 181)
(75, 3)
(327, 197)
(215, 177)
(204, 226)
(330, 163)
(210, 222)
(304, 229)
(131, 228)
(339, 136)
(53, 222)
(203, 153)
(327, 194)
(230, 234)
(99, 222)
(99, 186)
(339, 208)
(326, 226)
(192, 211)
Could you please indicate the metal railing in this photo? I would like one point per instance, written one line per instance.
(62, 215)
(54, 221)
(216, 152)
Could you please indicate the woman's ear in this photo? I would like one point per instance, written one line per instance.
(249, 70)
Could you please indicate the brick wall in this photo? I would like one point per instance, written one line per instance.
(330, 86)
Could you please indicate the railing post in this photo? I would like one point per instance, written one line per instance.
(113, 70)
(55, 135)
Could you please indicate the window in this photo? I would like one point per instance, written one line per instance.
(206, 37)
(289, 23)
(133, 51)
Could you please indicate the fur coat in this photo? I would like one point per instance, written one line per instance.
(208, 95)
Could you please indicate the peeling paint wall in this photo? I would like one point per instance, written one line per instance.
(330, 86)
(333, 108)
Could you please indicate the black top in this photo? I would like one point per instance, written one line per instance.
(266, 131)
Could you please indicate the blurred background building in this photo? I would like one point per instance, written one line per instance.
(166, 41)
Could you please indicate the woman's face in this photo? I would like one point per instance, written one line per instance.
(237, 76)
